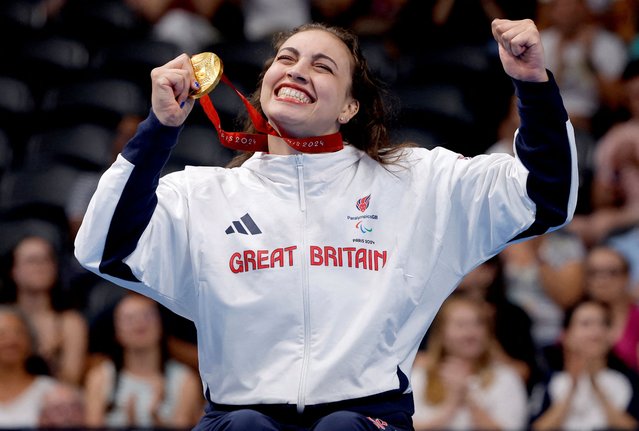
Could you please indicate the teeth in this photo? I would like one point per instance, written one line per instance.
(294, 94)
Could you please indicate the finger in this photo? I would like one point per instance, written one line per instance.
(177, 81)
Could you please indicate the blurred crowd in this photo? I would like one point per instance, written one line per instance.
(544, 335)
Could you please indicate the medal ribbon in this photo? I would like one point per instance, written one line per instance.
(259, 141)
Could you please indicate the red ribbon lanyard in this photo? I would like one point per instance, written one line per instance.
(259, 141)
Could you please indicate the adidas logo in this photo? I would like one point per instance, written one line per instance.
(245, 225)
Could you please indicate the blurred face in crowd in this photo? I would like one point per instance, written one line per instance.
(307, 88)
(607, 275)
(587, 332)
(15, 340)
(568, 15)
(137, 322)
(34, 265)
(631, 91)
(465, 330)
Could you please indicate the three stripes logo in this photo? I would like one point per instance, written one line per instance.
(245, 226)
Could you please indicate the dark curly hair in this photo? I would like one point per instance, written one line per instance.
(368, 130)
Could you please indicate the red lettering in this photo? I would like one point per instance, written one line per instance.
(379, 255)
(277, 257)
(236, 264)
(349, 254)
(330, 254)
(316, 255)
(262, 259)
(249, 259)
(290, 254)
(360, 258)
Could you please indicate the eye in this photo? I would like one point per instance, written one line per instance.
(285, 58)
(324, 67)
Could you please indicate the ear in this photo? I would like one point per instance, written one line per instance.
(350, 110)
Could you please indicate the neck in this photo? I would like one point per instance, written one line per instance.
(10, 373)
(279, 147)
(143, 361)
(34, 301)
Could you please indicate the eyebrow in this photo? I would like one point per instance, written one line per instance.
(315, 57)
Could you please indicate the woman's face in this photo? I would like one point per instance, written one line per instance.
(34, 265)
(464, 331)
(587, 332)
(15, 340)
(606, 276)
(307, 88)
(137, 322)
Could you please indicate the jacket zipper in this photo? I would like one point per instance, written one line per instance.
(301, 394)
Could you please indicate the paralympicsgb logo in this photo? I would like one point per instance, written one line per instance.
(362, 203)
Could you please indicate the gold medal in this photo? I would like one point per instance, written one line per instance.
(208, 70)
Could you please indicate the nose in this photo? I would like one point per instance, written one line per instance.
(296, 73)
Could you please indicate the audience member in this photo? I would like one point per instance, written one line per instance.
(544, 276)
(265, 18)
(583, 392)
(615, 214)
(187, 23)
(63, 406)
(62, 333)
(459, 384)
(511, 324)
(586, 59)
(139, 386)
(607, 281)
(21, 391)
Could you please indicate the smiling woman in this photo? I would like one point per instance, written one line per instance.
(300, 327)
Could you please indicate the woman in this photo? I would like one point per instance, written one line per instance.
(312, 278)
(62, 332)
(140, 385)
(22, 391)
(608, 281)
(586, 394)
(461, 385)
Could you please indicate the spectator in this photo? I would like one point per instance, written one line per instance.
(587, 59)
(585, 393)
(62, 333)
(615, 215)
(21, 390)
(139, 385)
(607, 281)
(512, 325)
(544, 276)
(460, 385)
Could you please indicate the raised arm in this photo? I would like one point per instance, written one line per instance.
(126, 198)
(545, 142)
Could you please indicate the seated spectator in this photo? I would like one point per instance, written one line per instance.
(615, 215)
(607, 281)
(138, 386)
(62, 407)
(583, 392)
(586, 59)
(21, 391)
(511, 323)
(62, 333)
(458, 384)
(544, 276)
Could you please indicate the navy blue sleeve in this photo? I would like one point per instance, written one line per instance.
(545, 145)
(148, 151)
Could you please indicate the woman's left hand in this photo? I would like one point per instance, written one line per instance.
(520, 49)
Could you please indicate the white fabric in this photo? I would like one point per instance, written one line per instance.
(24, 411)
(143, 392)
(263, 335)
(504, 400)
(586, 411)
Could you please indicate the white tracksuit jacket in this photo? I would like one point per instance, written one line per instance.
(313, 278)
